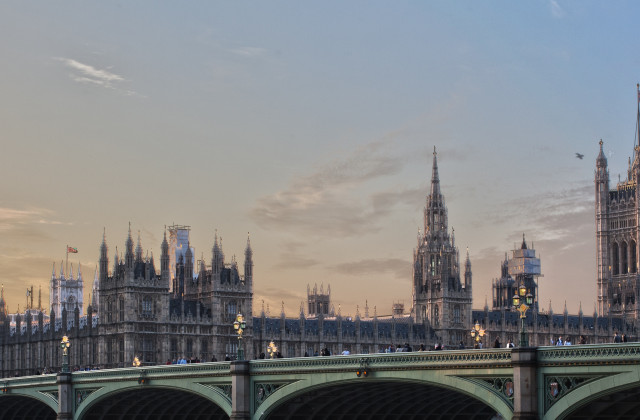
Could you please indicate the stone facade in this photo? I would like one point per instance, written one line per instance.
(187, 308)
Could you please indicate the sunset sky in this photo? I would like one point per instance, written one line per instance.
(311, 125)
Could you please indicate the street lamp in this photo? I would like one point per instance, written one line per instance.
(64, 345)
(522, 301)
(272, 349)
(477, 333)
(239, 325)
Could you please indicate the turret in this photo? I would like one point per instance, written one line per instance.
(188, 264)
(139, 249)
(467, 273)
(104, 260)
(128, 256)
(248, 263)
(602, 228)
(217, 258)
(164, 260)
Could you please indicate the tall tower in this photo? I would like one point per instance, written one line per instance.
(617, 236)
(440, 299)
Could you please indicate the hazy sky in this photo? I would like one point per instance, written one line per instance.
(311, 125)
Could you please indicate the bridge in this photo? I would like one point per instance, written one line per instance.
(571, 382)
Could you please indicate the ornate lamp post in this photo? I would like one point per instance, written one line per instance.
(522, 301)
(64, 345)
(477, 333)
(239, 325)
(272, 349)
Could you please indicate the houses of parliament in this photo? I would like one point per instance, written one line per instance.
(185, 308)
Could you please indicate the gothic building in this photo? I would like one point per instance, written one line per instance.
(187, 307)
(617, 238)
(441, 298)
(66, 291)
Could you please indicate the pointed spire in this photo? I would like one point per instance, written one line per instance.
(601, 160)
(139, 248)
(435, 179)
(53, 272)
(301, 309)
(262, 312)
(524, 243)
(282, 310)
(565, 308)
(79, 278)
(366, 309)
(580, 311)
(61, 269)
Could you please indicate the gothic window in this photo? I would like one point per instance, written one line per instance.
(121, 309)
(436, 316)
(109, 310)
(424, 312)
(634, 259)
(433, 266)
(623, 258)
(232, 310)
(231, 350)
(147, 307)
(456, 314)
(121, 351)
(174, 349)
(109, 351)
(189, 347)
(204, 353)
(148, 350)
(614, 259)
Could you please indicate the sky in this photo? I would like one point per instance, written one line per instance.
(311, 125)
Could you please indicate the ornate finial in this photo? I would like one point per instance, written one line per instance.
(434, 151)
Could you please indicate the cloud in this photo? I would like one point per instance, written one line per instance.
(324, 203)
(87, 74)
(13, 218)
(556, 11)
(398, 267)
(249, 52)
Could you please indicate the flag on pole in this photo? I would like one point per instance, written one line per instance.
(72, 250)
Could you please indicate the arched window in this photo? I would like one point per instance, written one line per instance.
(436, 316)
(147, 307)
(109, 310)
(633, 263)
(624, 258)
(615, 266)
(456, 314)
(121, 309)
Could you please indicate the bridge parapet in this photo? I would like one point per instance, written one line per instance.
(589, 354)
(473, 359)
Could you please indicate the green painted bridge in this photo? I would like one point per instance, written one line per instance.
(573, 382)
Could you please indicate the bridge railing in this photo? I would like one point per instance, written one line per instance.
(159, 371)
(614, 353)
(468, 359)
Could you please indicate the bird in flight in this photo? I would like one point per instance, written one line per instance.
(579, 156)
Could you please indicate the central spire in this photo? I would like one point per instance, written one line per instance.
(435, 179)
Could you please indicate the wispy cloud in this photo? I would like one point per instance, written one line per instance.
(88, 74)
(249, 52)
(324, 202)
(556, 11)
(398, 267)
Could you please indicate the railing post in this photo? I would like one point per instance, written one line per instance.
(241, 390)
(525, 401)
(65, 396)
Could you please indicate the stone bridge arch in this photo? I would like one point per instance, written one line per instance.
(439, 392)
(165, 397)
(27, 406)
(613, 395)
